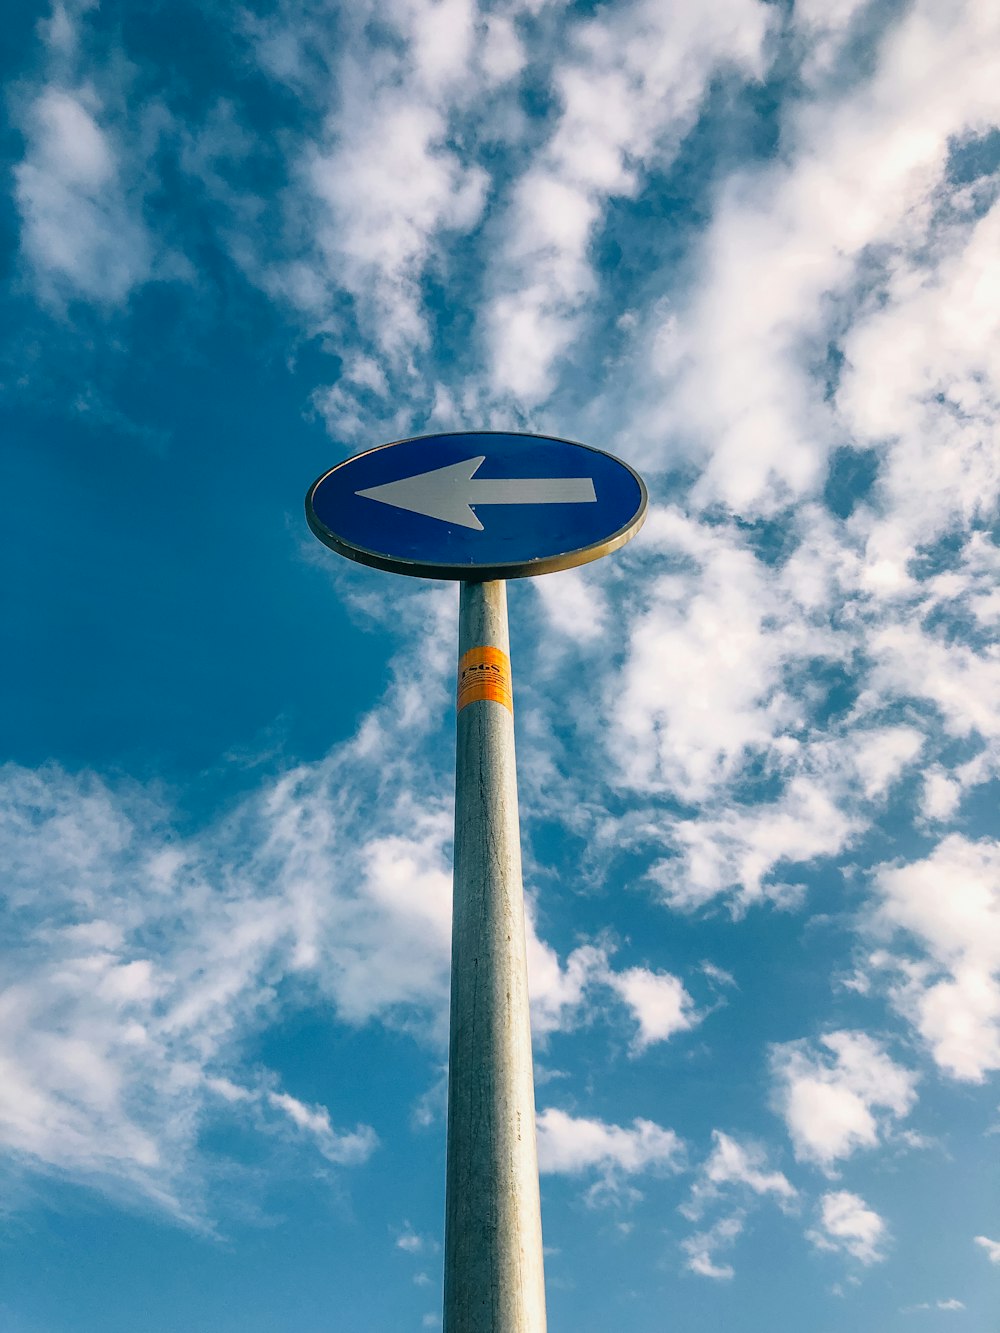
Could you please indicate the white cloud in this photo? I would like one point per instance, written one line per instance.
(949, 904)
(738, 848)
(410, 1241)
(962, 683)
(733, 1172)
(61, 31)
(825, 26)
(558, 990)
(629, 90)
(502, 54)
(719, 975)
(574, 604)
(992, 1248)
(82, 228)
(719, 683)
(740, 1165)
(658, 1000)
(562, 992)
(701, 1248)
(378, 195)
(569, 1145)
(827, 799)
(881, 754)
(941, 795)
(848, 1225)
(924, 372)
(110, 1058)
(345, 1149)
(829, 1099)
(786, 255)
(702, 684)
(385, 191)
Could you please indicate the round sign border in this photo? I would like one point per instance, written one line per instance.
(517, 569)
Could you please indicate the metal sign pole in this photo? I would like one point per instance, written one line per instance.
(493, 1273)
(481, 507)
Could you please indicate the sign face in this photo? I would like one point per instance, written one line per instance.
(477, 505)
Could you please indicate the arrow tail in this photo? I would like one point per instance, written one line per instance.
(532, 491)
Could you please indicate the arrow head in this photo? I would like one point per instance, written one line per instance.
(442, 493)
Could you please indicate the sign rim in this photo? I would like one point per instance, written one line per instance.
(513, 569)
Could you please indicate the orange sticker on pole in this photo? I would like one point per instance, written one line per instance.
(484, 673)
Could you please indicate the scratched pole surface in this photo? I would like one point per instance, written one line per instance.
(493, 1274)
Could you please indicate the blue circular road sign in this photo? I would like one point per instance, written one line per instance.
(477, 505)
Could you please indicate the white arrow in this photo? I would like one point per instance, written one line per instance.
(447, 493)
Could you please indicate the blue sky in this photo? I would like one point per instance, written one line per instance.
(752, 249)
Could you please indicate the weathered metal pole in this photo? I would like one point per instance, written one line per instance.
(493, 1274)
